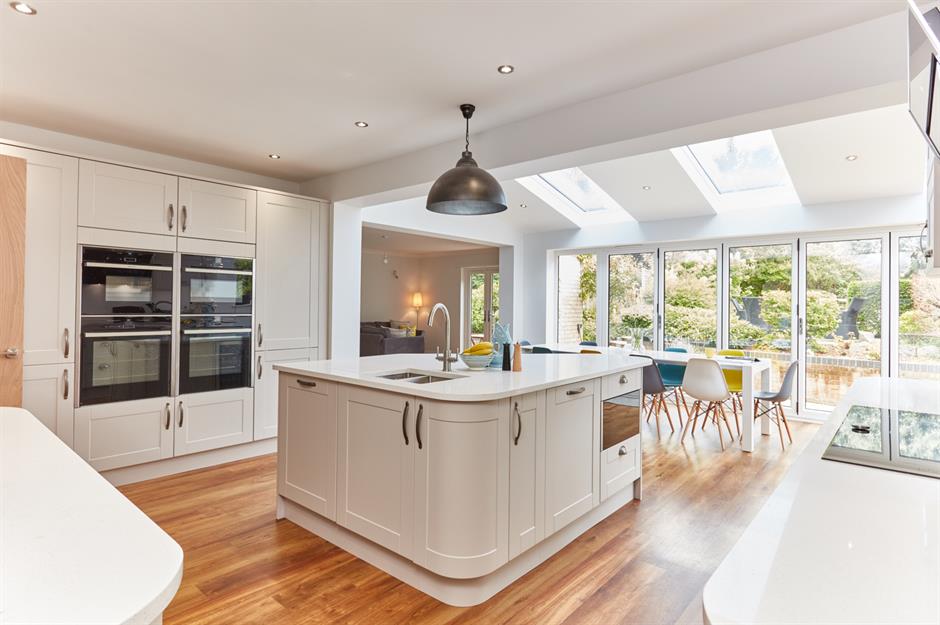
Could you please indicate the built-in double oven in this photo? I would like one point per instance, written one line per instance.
(137, 342)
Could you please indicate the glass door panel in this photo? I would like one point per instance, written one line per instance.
(482, 313)
(918, 311)
(843, 325)
(577, 292)
(690, 295)
(631, 300)
(760, 304)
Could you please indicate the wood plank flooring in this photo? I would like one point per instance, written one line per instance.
(645, 564)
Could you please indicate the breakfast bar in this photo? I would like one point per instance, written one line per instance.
(457, 482)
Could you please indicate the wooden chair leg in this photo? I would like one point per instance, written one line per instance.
(721, 440)
(690, 423)
(684, 403)
(724, 417)
(665, 407)
(786, 424)
(779, 427)
(656, 406)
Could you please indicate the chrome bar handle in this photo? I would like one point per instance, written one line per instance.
(404, 422)
(418, 426)
(180, 424)
(67, 348)
(577, 391)
(167, 411)
(307, 383)
(65, 380)
(515, 440)
(183, 217)
(170, 221)
(260, 336)
(260, 368)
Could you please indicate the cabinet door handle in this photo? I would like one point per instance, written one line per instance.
(180, 424)
(170, 220)
(260, 336)
(260, 368)
(404, 422)
(622, 451)
(167, 410)
(576, 391)
(183, 217)
(515, 440)
(623, 378)
(65, 386)
(67, 348)
(307, 383)
(418, 425)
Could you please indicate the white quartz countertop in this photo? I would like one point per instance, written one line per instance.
(839, 543)
(72, 548)
(539, 371)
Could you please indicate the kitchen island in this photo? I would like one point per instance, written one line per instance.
(459, 482)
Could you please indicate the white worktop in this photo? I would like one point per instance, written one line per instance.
(839, 543)
(539, 371)
(72, 548)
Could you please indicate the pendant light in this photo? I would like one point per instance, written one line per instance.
(466, 189)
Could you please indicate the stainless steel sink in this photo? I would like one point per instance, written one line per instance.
(427, 379)
(400, 376)
(418, 377)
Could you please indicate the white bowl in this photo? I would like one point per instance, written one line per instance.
(477, 361)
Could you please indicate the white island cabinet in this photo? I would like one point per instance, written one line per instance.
(458, 485)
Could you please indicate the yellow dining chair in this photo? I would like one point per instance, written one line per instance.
(735, 384)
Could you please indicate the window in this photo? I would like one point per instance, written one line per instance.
(743, 163)
(690, 295)
(918, 320)
(577, 291)
(631, 300)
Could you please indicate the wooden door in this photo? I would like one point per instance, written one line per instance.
(461, 490)
(12, 268)
(214, 419)
(125, 198)
(221, 212)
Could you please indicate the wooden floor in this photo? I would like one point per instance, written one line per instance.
(646, 564)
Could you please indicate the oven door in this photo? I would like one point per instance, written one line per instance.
(211, 285)
(124, 359)
(126, 282)
(621, 419)
(215, 354)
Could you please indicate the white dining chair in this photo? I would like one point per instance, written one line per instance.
(705, 383)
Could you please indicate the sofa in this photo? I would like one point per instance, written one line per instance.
(375, 339)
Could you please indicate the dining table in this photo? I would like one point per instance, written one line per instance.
(755, 375)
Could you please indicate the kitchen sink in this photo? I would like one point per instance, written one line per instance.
(419, 377)
(400, 376)
(427, 379)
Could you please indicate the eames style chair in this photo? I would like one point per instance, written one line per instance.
(656, 391)
(672, 377)
(705, 382)
(773, 401)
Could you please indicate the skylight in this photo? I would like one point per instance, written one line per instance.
(748, 162)
(578, 189)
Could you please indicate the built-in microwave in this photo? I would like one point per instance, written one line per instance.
(214, 285)
(621, 418)
(126, 282)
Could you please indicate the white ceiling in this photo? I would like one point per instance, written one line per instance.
(394, 242)
(229, 82)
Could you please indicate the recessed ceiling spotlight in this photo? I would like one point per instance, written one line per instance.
(505, 69)
(274, 156)
(22, 7)
(852, 157)
(646, 187)
(362, 124)
(522, 205)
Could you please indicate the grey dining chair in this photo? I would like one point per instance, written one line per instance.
(773, 401)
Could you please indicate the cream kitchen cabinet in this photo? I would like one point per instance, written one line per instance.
(121, 434)
(214, 419)
(526, 472)
(48, 394)
(266, 390)
(124, 198)
(288, 272)
(461, 487)
(221, 212)
(375, 488)
(572, 453)
(307, 457)
(51, 253)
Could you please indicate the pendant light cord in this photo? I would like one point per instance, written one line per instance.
(467, 136)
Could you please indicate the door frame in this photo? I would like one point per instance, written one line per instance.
(603, 310)
(466, 302)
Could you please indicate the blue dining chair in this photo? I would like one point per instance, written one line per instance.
(589, 343)
(538, 349)
(672, 377)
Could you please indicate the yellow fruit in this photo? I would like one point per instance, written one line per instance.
(482, 348)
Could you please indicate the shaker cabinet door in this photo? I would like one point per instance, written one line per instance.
(266, 390)
(125, 433)
(213, 419)
(221, 212)
(124, 198)
(48, 393)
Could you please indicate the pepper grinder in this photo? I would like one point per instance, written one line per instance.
(517, 357)
(507, 366)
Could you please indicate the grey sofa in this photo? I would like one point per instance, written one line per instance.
(374, 340)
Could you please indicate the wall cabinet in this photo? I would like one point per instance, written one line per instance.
(461, 487)
(572, 444)
(123, 198)
(116, 435)
(288, 271)
(51, 253)
(526, 472)
(307, 450)
(266, 390)
(375, 495)
(208, 210)
(47, 394)
(211, 420)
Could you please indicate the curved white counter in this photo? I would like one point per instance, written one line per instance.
(839, 543)
(72, 548)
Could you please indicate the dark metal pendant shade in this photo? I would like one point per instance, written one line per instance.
(466, 189)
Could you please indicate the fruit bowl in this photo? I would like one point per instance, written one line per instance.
(477, 361)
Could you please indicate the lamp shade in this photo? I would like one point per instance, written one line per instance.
(466, 190)
(417, 300)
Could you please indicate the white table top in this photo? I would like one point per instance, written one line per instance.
(839, 543)
(72, 548)
(679, 358)
(539, 371)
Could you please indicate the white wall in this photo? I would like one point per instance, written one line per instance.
(385, 297)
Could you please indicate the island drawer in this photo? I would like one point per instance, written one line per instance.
(620, 466)
(306, 384)
(619, 383)
(571, 392)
